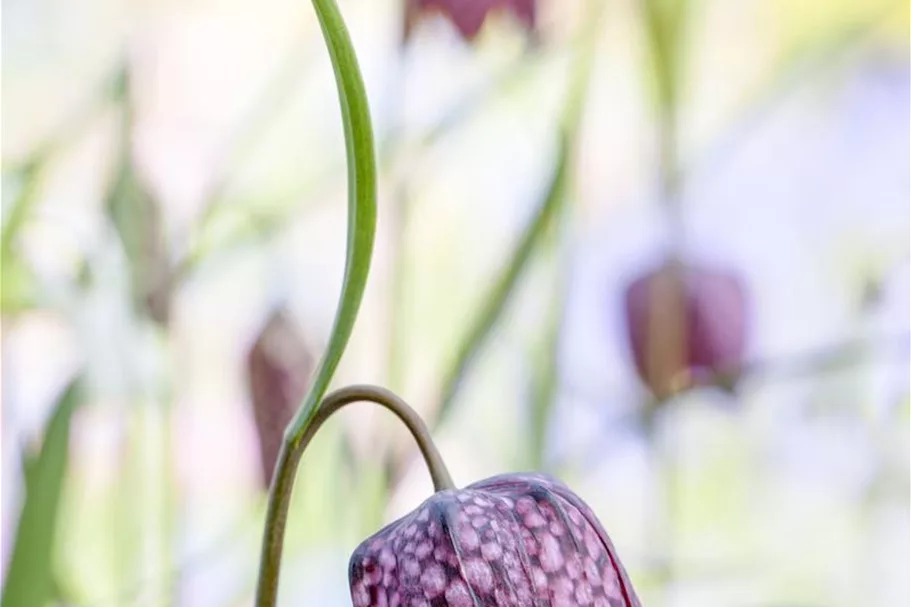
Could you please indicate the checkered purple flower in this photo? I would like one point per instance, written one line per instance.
(517, 540)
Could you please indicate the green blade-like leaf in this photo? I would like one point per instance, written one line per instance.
(494, 303)
(29, 581)
(545, 376)
(361, 203)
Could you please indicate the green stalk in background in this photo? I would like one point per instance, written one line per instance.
(145, 532)
(545, 380)
(494, 302)
(361, 231)
(664, 22)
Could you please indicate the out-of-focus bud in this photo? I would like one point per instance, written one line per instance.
(469, 15)
(517, 540)
(140, 222)
(279, 366)
(686, 326)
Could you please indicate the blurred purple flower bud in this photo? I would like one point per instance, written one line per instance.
(517, 540)
(279, 366)
(686, 326)
(468, 15)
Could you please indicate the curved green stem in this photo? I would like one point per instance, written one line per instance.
(361, 203)
(361, 230)
(290, 456)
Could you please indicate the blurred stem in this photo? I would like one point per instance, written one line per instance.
(147, 515)
(398, 282)
(390, 147)
(663, 20)
(361, 230)
(545, 379)
(494, 301)
(784, 368)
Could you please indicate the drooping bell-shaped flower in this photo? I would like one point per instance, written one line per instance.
(278, 366)
(686, 326)
(468, 16)
(516, 540)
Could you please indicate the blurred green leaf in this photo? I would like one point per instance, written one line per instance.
(229, 223)
(17, 285)
(664, 25)
(812, 23)
(545, 378)
(28, 175)
(28, 180)
(30, 581)
(16, 280)
(494, 303)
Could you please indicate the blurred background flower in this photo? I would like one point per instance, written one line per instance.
(686, 326)
(173, 190)
(468, 17)
(279, 366)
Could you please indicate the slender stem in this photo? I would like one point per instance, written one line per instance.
(361, 164)
(290, 456)
(361, 203)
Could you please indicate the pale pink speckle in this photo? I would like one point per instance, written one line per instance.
(387, 559)
(583, 594)
(479, 575)
(411, 567)
(551, 556)
(458, 595)
(469, 538)
(539, 580)
(573, 568)
(423, 549)
(433, 580)
(591, 572)
(360, 596)
(491, 551)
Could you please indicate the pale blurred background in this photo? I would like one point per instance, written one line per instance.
(173, 185)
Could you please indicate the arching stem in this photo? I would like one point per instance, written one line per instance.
(361, 230)
(289, 458)
(387, 399)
